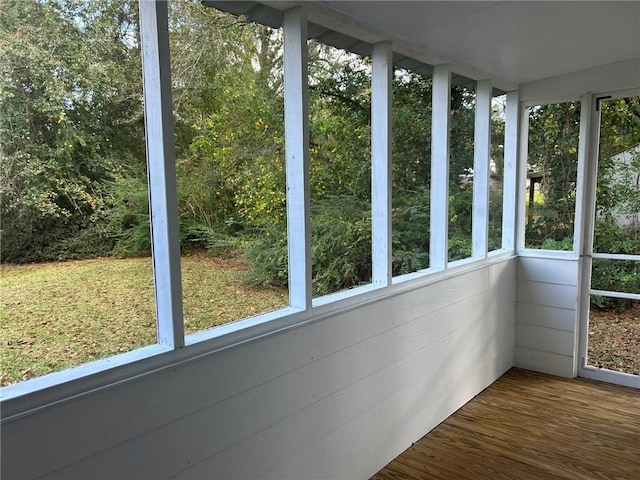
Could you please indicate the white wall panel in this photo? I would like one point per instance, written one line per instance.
(549, 317)
(547, 362)
(546, 315)
(435, 393)
(549, 294)
(548, 270)
(545, 339)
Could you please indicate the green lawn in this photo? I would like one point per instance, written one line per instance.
(57, 315)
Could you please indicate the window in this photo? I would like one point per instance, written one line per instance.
(461, 171)
(270, 175)
(340, 168)
(552, 163)
(496, 171)
(229, 121)
(411, 171)
(77, 281)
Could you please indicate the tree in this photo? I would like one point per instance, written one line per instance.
(553, 152)
(61, 79)
(229, 124)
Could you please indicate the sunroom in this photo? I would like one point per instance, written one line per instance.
(292, 393)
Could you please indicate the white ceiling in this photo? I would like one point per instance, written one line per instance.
(516, 41)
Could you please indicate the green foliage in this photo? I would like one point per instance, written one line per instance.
(411, 147)
(410, 244)
(553, 244)
(230, 127)
(129, 223)
(460, 219)
(340, 253)
(461, 136)
(411, 150)
(611, 237)
(615, 275)
(268, 258)
(63, 74)
(495, 221)
(341, 250)
(553, 151)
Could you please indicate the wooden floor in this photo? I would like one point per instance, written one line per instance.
(532, 426)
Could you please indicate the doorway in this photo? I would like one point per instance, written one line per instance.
(610, 306)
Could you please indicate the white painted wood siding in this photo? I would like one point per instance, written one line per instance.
(547, 321)
(335, 398)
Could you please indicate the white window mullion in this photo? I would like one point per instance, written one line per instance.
(381, 99)
(482, 151)
(510, 178)
(441, 106)
(163, 204)
(582, 181)
(296, 115)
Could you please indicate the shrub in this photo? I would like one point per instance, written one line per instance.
(341, 244)
(129, 222)
(615, 275)
(410, 240)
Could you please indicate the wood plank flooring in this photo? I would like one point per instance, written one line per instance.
(532, 426)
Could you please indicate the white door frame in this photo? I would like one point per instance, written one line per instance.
(592, 138)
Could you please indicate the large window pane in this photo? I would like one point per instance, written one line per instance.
(617, 222)
(411, 154)
(496, 172)
(340, 171)
(229, 124)
(74, 188)
(461, 156)
(552, 165)
(614, 321)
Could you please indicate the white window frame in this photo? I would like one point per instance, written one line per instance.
(521, 250)
(440, 128)
(482, 153)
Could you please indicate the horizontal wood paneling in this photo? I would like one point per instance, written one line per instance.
(548, 270)
(544, 339)
(549, 317)
(547, 294)
(360, 459)
(199, 380)
(267, 404)
(546, 362)
(406, 380)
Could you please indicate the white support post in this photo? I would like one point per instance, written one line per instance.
(582, 216)
(163, 204)
(381, 99)
(482, 152)
(296, 115)
(585, 219)
(510, 186)
(441, 106)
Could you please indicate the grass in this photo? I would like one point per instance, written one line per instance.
(58, 315)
